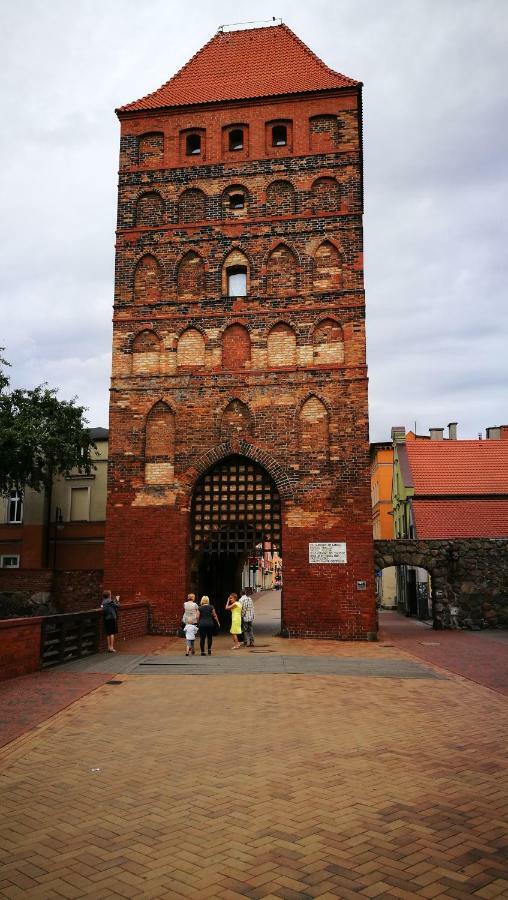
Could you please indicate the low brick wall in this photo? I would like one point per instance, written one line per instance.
(133, 621)
(20, 639)
(20, 646)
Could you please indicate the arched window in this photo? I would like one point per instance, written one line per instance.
(281, 271)
(149, 209)
(279, 136)
(147, 280)
(235, 275)
(192, 206)
(280, 199)
(236, 421)
(191, 276)
(193, 144)
(160, 444)
(151, 148)
(146, 353)
(235, 347)
(328, 343)
(236, 139)
(325, 195)
(281, 346)
(190, 349)
(235, 201)
(327, 274)
(313, 427)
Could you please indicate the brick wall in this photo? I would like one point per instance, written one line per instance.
(30, 581)
(20, 646)
(279, 373)
(20, 639)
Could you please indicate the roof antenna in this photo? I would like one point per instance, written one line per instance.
(266, 23)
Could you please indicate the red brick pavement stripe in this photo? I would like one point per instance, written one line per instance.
(27, 701)
(474, 655)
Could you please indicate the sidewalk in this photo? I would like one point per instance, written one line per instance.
(288, 786)
(480, 656)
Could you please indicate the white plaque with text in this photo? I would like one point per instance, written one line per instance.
(327, 553)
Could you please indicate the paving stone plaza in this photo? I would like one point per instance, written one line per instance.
(297, 770)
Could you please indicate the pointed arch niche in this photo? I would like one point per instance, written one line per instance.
(190, 351)
(236, 347)
(281, 271)
(281, 346)
(146, 349)
(328, 343)
(313, 427)
(147, 280)
(160, 444)
(327, 273)
(191, 276)
(236, 421)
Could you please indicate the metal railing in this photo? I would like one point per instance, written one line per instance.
(69, 636)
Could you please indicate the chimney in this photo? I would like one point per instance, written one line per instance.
(452, 431)
(436, 434)
(497, 433)
(399, 434)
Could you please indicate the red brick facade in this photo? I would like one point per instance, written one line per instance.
(277, 377)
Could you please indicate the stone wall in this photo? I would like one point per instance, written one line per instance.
(35, 592)
(470, 571)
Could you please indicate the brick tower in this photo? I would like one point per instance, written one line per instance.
(238, 417)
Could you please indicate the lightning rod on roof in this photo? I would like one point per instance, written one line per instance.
(263, 22)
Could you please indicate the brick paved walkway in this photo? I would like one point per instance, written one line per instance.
(286, 786)
(480, 656)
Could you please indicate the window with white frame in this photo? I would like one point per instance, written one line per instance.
(9, 562)
(14, 507)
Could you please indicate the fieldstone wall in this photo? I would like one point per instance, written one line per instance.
(470, 571)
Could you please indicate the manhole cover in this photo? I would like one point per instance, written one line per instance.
(262, 651)
(114, 682)
(430, 643)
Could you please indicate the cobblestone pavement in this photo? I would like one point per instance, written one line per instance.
(265, 786)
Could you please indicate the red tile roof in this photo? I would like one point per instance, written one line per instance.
(458, 467)
(447, 519)
(237, 65)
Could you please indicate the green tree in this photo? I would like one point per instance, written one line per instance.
(40, 437)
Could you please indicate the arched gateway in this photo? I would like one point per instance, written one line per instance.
(268, 443)
(235, 521)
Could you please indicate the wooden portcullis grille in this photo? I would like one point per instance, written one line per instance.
(69, 636)
(236, 507)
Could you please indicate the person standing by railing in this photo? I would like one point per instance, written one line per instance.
(110, 613)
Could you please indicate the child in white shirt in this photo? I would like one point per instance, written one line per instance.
(190, 636)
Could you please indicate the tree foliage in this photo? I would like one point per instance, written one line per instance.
(40, 437)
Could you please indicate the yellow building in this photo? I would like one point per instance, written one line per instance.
(381, 470)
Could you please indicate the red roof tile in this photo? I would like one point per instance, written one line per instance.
(458, 467)
(236, 65)
(447, 519)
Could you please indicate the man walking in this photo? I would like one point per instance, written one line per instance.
(247, 617)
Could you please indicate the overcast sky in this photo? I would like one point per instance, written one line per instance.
(436, 186)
